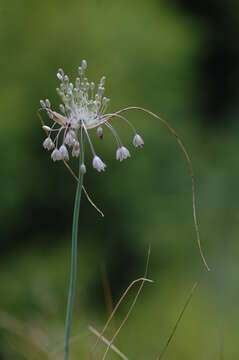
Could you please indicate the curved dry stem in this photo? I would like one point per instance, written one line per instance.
(113, 313)
(177, 322)
(113, 347)
(131, 307)
(143, 279)
(189, 162)
(84, 189)
(74, 175)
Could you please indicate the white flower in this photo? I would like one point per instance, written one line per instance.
(98, 164)
(76, 149)
(122, 153)
(48, 143)
(64, 152)
(70, 138)
(138, 141)
(46, 128)
(56, 155)
(83, 169)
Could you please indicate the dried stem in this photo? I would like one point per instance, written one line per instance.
(143, 279)
(113, 347)
(177, 322)
(131, 307)
(83, 188)
(189, 162)
(113, 313)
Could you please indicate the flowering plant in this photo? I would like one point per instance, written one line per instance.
(83, 108)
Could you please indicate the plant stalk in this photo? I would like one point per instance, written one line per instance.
(73, 276)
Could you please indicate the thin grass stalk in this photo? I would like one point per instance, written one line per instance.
(177, 322)
(189, 162)
(131, 307)
(72, 286)
(113, 313)
(113, 347)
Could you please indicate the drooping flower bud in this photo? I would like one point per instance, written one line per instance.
(76, 149)
(48, 143)
(138, 141)
(70, 138)
(56, 155)
(84, 64)
(100, 132)
(98, 164)
(47, 128)
(83, 169)
(64, 152)
(122, 153)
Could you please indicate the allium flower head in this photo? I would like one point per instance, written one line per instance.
(83, 108)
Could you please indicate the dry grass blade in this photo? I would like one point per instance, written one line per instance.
(130, 309)
(84, 189)
(189, 162)
(114, 311)
(73, 174)
(143, 279)
(113, 347)
(177, 322)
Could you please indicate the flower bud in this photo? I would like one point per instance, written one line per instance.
(56, 155)
(46, 128)
(42, 103)
(76, 149)
(98, 164)
(64, 152)
(84, 64)
(138, 141)
(83, 169)
(100, 132)
(122, 153)
(48, 144)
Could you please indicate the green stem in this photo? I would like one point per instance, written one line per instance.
(72, 286)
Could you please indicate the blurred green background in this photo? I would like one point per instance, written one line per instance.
(179, 59)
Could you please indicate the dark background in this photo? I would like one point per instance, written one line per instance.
(179, 59)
